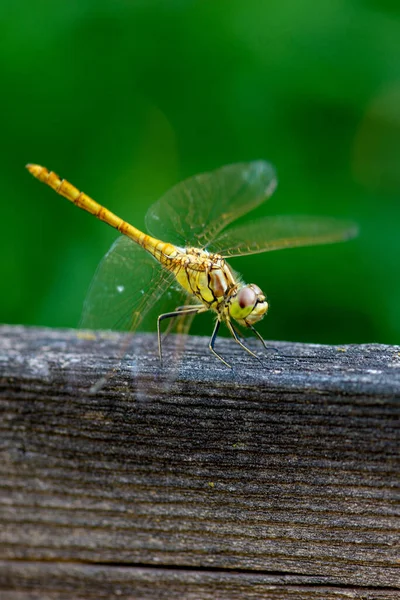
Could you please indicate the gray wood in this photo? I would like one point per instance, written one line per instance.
(64, 581)
(281, 477)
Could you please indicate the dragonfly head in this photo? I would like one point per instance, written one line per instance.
(248, 305)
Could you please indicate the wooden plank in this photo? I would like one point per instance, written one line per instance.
(287, 467)
(66, 581)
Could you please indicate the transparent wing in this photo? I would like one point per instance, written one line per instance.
(276, 233)
(127, 285)
(194, 211)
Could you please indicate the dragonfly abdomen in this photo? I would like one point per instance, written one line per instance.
(70, 192)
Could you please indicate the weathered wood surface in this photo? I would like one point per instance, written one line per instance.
(277, 480)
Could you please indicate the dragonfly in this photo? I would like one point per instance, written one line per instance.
(194, 218)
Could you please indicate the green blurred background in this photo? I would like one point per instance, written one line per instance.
(126, 98)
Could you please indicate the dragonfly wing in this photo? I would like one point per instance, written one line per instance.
(194, 211)
(276, 233)
(127, 284)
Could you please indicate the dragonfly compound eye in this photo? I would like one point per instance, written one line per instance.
(247, 297)
(249, 305)
(245, 303)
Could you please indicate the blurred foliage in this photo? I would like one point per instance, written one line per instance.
(126, 98)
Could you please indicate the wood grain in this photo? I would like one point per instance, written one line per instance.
(282, 474)
(64, 581)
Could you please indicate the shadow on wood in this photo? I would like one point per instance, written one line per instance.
(277, 479)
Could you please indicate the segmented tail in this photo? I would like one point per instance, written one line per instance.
(71, 193)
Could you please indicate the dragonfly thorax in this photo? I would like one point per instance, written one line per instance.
(210, 278)
(205, 275)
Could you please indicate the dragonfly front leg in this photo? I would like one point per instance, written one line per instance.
(260, 337)
(236, 338)
(254, 330)
(179, 312)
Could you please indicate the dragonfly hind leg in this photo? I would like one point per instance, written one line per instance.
(179, 312)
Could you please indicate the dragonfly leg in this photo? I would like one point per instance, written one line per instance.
(260, 337)
(180, 311)
(236, 338)
(212, 342)
(254, 330)
(237, 332)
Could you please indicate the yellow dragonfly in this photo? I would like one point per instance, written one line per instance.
(193, 216)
